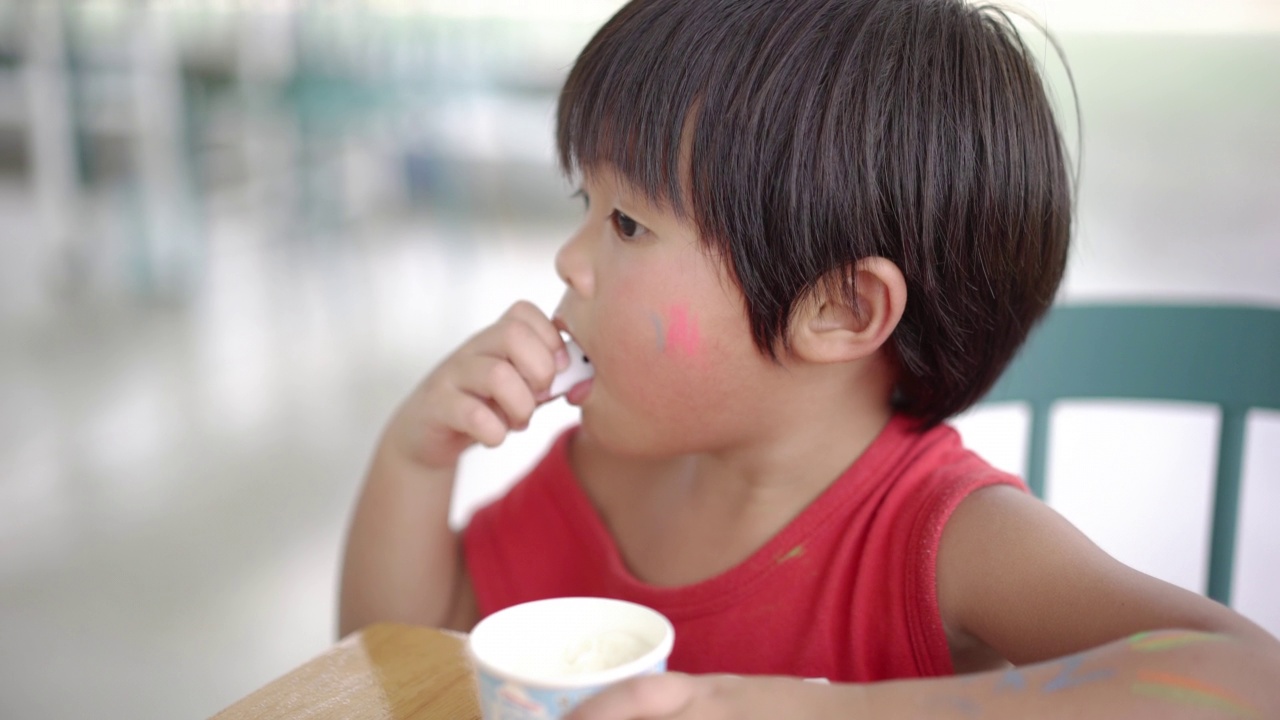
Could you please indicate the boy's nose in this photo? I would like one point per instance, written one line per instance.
(573, 264)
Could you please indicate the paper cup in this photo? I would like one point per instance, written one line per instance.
(540, 659)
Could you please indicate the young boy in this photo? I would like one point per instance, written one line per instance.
(815, 229)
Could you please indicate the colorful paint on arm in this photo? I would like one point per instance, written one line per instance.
(1055, 676)
(1161, 641)
(1070, 676)
(1121, 667)
(1190, 691)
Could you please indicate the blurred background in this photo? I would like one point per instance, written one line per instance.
(234, 234)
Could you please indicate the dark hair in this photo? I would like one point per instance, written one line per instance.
(804, 135)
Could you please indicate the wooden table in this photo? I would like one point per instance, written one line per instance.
(382, 672)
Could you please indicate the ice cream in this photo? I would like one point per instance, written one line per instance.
(604, 651)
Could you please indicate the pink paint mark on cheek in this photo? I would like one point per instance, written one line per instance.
(682, 332)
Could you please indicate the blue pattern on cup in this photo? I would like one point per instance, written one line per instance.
(505, 700)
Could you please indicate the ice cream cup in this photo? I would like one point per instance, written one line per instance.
(540, 659)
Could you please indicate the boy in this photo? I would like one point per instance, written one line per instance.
(815, 229)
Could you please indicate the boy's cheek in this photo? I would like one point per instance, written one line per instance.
(661, 374)
(664, 344)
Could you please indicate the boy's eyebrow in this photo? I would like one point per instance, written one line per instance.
(580, 193)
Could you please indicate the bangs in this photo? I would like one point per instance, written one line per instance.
(647, 92)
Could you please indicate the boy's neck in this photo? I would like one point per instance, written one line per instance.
(729, 502)
(812, 441)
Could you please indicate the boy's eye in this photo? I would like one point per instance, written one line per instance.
(626, 227)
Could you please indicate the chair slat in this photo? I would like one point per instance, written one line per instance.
(1225, 356)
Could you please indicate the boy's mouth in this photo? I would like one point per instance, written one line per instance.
(578, 393)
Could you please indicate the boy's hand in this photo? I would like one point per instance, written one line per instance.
(675, 696)
(487, 388)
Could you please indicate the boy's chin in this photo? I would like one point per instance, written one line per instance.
(630, 439)
(604, 433)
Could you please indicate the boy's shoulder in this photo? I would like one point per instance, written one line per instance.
(909, 457)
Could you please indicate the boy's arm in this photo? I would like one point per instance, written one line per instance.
(1016, 576)
(1091, 636)
(1093, 639)
(1168, 675)
(402, 559)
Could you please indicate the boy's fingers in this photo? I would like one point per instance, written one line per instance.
(537, 320)
(498, 381)
(475, 418)
(643, 698)
(522, 345)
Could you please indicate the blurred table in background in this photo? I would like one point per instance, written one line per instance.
(383, 672)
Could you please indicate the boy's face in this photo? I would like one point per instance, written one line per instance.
(663, 324)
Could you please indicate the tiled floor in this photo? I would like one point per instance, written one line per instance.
(175, 477)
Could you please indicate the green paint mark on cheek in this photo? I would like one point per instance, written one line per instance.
(658, 331)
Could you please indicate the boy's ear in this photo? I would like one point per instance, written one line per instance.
(828, 329)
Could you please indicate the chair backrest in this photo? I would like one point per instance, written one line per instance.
(1224, 356)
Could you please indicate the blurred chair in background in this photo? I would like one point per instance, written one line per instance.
(1228, 357)
(101, 112)
(141, 130)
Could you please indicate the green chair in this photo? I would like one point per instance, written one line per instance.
(1224, 356)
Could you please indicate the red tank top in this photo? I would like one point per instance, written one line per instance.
(847, 591)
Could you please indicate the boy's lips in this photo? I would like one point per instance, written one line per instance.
(560, 324)
(578, 393)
